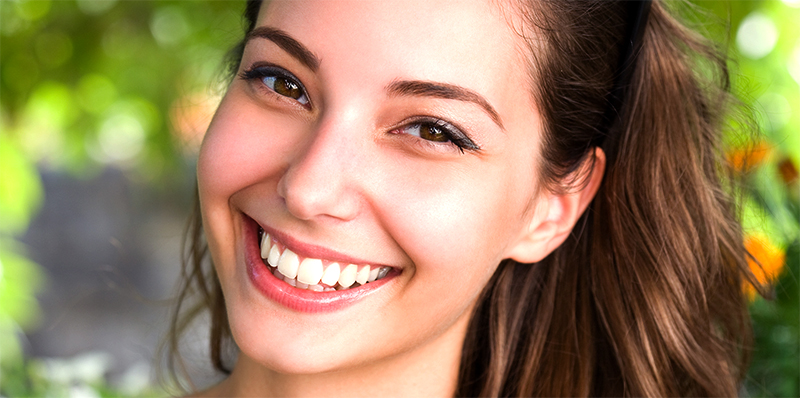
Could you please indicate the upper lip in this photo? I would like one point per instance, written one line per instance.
(309, 250)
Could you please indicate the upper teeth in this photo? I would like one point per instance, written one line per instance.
(312, 273)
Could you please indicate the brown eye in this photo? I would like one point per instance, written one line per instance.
(441, 132)
(432, 133)
(278, 80)
(286, 87)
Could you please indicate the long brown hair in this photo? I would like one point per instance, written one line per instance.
(645, 298)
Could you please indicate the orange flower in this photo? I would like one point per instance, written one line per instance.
(744, 160)
(190, 116)
(788, 171)
(768, 263)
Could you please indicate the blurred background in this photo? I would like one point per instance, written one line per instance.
(103, 107)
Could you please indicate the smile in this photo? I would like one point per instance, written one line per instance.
(305, 277)
(314, 274)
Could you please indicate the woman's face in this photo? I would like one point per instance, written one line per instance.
(390, 134)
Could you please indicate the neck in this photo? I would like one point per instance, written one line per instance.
(430, 369)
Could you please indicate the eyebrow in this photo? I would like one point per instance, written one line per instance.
(287, 43)
(444, 91)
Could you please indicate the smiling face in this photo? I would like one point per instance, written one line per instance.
(399, 135)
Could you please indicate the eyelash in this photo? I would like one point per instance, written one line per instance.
(453, 134)
(261, 72)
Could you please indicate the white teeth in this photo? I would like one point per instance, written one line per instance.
(274, 256)
(331, 275)
(316, 288)
(311, 274)
(266, 243)
(310, 271)
(348, 276)
(363, 275)
(288, 264)
(373, 274)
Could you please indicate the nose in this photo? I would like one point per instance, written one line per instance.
(321, 179)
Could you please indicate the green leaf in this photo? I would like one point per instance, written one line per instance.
(20, 188)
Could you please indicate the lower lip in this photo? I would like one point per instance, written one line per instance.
(300, 300)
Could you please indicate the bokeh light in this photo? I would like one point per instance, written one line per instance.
(757, 35)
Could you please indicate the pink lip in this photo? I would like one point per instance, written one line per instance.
(299, 299)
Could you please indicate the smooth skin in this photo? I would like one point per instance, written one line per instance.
(347, 167)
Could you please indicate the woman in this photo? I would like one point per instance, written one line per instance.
(431, 198)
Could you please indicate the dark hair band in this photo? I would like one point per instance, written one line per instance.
(637, 13)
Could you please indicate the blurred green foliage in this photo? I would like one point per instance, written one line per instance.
(88, 84)
(84, 85)
(765, 39)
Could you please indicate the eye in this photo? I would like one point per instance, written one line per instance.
(279, 81)
(428, 132)
(437, 130)
(286, 87)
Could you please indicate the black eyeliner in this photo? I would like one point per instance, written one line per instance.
(454, 134)
(260, 70)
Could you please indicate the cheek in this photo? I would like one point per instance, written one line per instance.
(454, 223)
(245, 145)
(234, 151)
(454, 228)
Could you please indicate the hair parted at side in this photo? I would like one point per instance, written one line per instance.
(645, 298)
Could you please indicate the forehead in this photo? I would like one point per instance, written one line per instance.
(460, 42)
